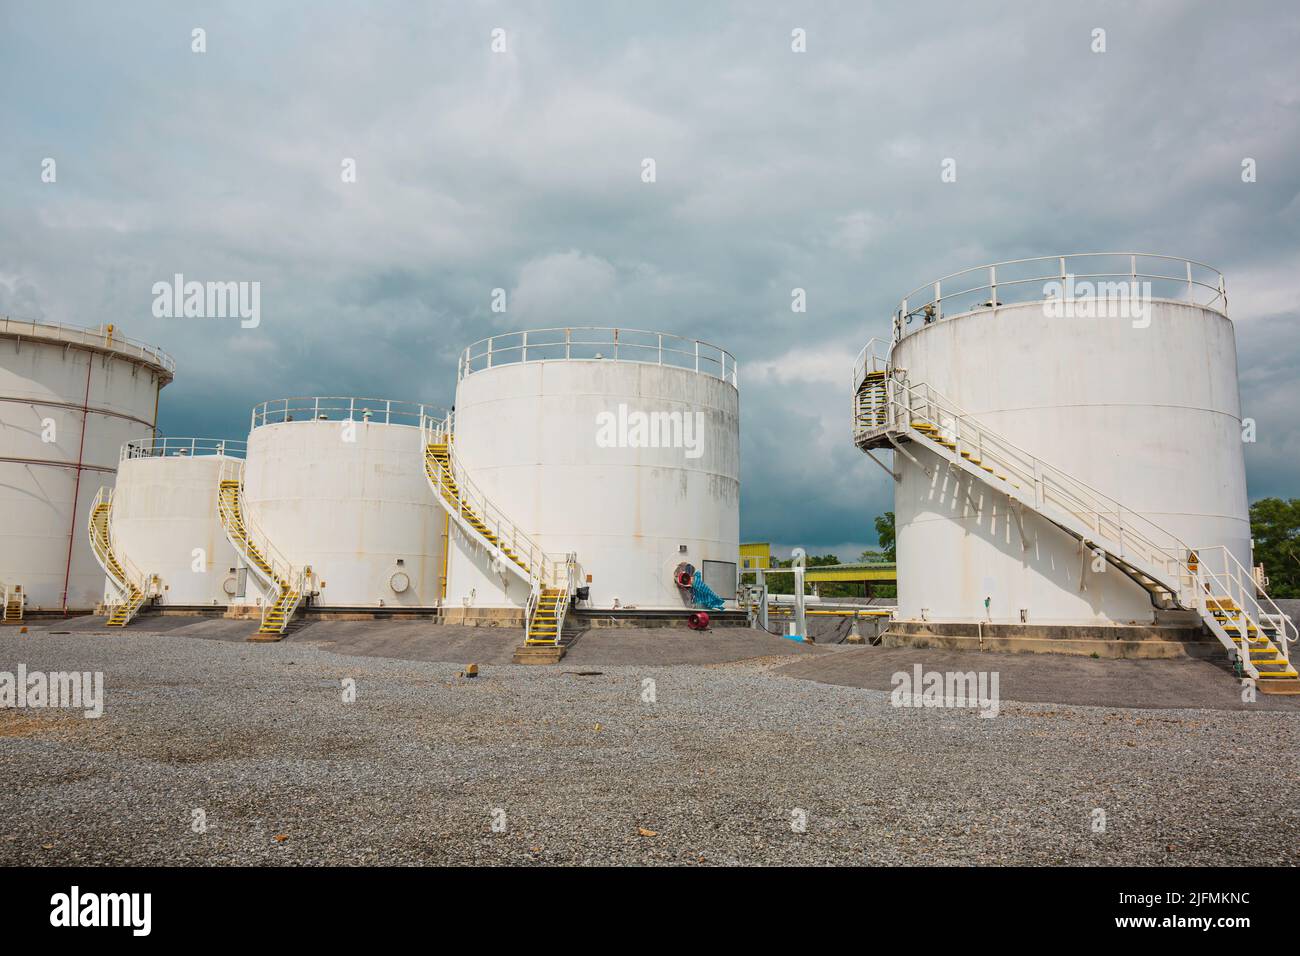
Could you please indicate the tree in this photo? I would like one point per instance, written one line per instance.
(885, 535)
(1275, 526)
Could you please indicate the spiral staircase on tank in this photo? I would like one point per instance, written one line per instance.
(283, 584)
(129, 585)
(892, 412)
(551, 579)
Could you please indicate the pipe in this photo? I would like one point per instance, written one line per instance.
(76, 487)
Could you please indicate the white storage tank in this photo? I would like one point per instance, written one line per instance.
(69, 398)
(165, 520)
(619, 446)
(337, 485)
(1119, 370)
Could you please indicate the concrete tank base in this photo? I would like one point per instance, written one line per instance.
(1114, 641)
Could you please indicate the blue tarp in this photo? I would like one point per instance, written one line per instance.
(703, 595)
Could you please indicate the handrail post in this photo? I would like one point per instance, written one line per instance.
(993, 286)
(525, 347)
(938, 301)
(568, 344)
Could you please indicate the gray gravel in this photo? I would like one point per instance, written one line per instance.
(259, 739)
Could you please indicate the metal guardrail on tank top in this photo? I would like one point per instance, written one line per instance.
(103, 337)
(341, 408)
(138, 448)
(638, 346)
(1014, 281)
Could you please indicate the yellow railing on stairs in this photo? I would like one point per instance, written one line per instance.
(463, 499)
(1093, 516)
(129, 584)
(514, 551)
(283, 584)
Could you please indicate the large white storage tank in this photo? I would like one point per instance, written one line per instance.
(69, 398)
(620, 446)
(166, 523)
(337, 485)
(1118, 369)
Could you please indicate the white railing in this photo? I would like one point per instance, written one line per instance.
(11, 593)
(1026, 280)
(542, 568)
(335, 408)
(236, 513)
(1100, 520)
(107, 553)
(1219, 566)
(591, 342)
(105, 337)
(182, 448)
(570, 573)
(573, 575)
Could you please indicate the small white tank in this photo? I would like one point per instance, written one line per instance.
(1136, 399)
(69, 398)
(166, 523)
(617, 445)
(338, 485)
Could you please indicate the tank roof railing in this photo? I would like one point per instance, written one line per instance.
(343, 408)
(598, 343)
(159, 447)
(105, 337)
(1194, 282)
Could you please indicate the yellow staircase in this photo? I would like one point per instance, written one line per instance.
(437, 466)
(284, 593)
(13, 604)
(1276, 674)
(101, 543)
(549, 578)
(544, 623)
(1225, 596)
(872, 403)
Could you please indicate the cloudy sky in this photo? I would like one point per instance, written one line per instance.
(522, 170)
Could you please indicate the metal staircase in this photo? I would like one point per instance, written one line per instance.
(891, 412)
(551, 579)
(13, 603)
(127, 581)
(283, 584)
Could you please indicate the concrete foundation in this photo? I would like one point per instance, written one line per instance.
(1132, 642)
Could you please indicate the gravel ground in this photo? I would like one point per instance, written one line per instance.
(715, 771)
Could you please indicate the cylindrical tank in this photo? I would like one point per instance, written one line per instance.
(338, 485)
(1126, 381)
(165, 520)
(619, 446)
(69, 398)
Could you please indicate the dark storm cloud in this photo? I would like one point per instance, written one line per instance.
(522, 171)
